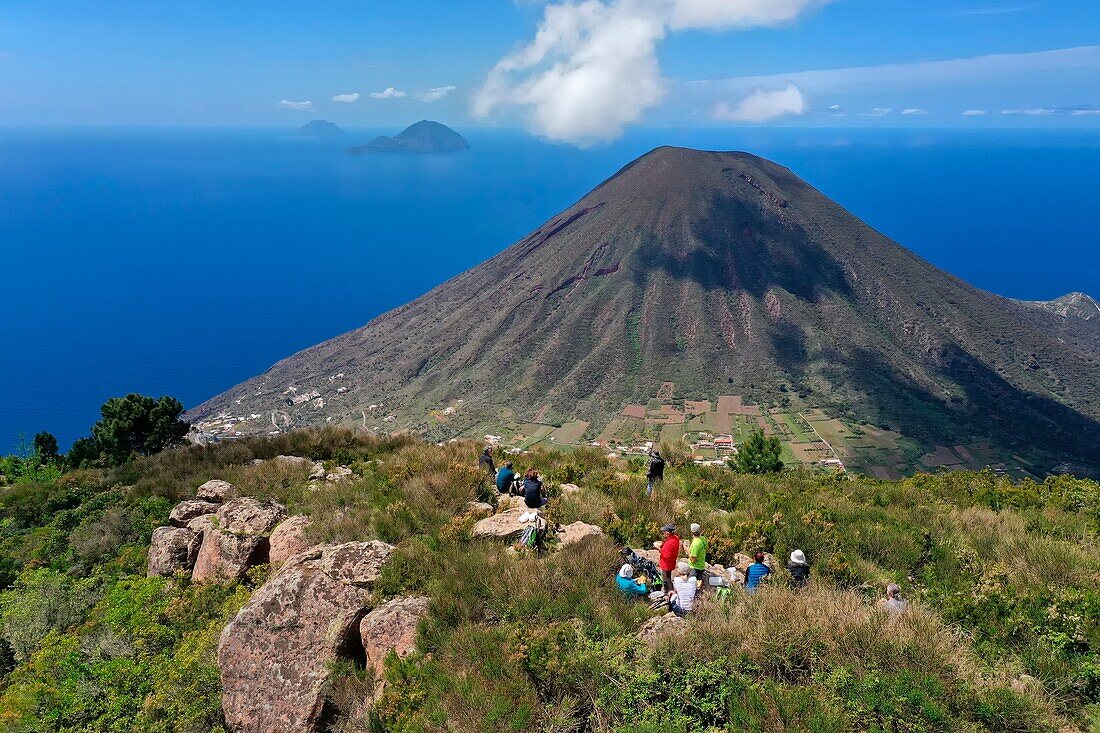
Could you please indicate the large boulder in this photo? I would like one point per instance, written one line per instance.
(504, 525)
(356, 563)
(391, 628)
(478, 509)
(172, 550)
(250, 516)
(573, 533)
(659, 626)
(275, 656)
(294, 460)
(216, 490)
(198, 525)
(187, 510)
(289, 539)
(228, 556)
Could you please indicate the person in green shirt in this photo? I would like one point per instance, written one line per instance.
(697, 553)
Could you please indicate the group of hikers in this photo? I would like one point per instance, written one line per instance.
(508, 482)
(681, 580)
(681, 571)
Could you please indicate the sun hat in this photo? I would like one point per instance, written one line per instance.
(669, 528)
(626, 571)
(893, 590)
(695, 528)
(798, 557)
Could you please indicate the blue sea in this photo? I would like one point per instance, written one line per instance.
(182, 261)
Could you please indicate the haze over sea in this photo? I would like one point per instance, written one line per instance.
(183, 261)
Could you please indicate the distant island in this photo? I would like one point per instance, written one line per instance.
(423, 137)
(319, 128)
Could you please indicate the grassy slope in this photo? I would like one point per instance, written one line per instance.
(1004, 634)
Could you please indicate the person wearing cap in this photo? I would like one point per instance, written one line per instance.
(670, 551)
(505, 476)
(799, 569)
(893, 602)
(682, 598)
(485, 462)
(630, 587)
(756, 573)
(697, 553)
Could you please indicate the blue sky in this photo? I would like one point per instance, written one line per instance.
(596, 68)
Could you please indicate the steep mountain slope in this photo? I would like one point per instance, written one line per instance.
(721, 272)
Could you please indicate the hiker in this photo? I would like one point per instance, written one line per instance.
(532, 490)
(893, 602)
(799, 569)
(756, 573)
(697, 554)
(656, 473)
(670, 551)
(682, 598)
(628, 585)
(505, 476)
(485, 462)
(643, 565)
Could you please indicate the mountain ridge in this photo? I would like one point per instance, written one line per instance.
(715, 271)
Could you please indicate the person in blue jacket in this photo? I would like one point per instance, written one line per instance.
(504, 478)
(756, 573)
(628, 585)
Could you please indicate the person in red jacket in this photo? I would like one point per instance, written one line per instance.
(670, 551)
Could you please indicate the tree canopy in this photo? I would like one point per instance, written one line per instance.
(759, 455)
(138, 425)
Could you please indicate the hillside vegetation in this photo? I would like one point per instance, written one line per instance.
(1003, 632)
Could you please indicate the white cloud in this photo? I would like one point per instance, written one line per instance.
(388, 93)
(1082, 60)
(877, 112)
(436, 94)
(347, 98)
(763, 105)
(974, 113)
(1032, 112)
(718, 14)
(306, 106)
(914, 111)
(592, 67)
(1083, 112)
(1002, 10)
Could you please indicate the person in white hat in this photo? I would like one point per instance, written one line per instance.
(799, 569)
(894, 602)
(682, 598)
(627, 584)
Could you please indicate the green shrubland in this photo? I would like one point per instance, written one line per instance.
(1003, 633)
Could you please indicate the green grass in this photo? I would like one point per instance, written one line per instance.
(1004, 634)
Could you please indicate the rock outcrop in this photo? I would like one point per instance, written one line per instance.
(276, 654)
(391, 628)
(502, 526)
(250, 516)
(172, 550)
(289, 539)
(216, 491)
(479, 509)
(190, 509)
(573, 533)
(659, 626)
(228, 556)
